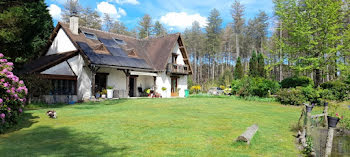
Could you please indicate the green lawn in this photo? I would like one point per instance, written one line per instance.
(155, 127)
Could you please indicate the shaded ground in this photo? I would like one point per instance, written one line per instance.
(156, 127)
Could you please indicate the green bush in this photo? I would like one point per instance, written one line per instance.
(311, 94)
(292, 82)
(298, 95)
(260, 87)
(236, 86)
(335, 90)
(327, 94)
(291, 96)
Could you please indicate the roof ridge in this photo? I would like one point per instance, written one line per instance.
(109, 32)
(156, 37)
(152, 37)
(105, 31)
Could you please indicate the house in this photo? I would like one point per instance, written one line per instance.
(81, 61)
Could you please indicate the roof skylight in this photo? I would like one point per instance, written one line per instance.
(119, 41)
(90, 35)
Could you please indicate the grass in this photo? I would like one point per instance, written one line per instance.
(155, 127)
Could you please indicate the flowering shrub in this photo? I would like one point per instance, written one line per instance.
(12, 95)
(195, 89)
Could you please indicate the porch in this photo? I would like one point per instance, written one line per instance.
(124, 83)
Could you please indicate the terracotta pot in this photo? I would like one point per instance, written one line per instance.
(332, 121)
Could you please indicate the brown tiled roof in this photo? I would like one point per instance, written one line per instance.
(154, 51)
(150, 53)
(46, 62)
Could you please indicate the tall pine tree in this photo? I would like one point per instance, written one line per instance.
(239, 69)
(159, 29)
(145, 26)
(261, 65)
(253, 65)
(213, 37)
(237, 11)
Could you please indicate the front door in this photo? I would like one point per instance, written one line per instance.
(174, 86)
(132, 86)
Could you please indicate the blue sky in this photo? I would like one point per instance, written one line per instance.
(175, 15)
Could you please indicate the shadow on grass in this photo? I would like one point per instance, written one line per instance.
(107, 102)
(40, 105)
(26, 120)
(47, 141)
(36, 106)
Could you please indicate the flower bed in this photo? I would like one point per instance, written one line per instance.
(12, 95)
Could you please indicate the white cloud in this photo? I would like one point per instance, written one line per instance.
(107, 8)
(182, 20)
(55, 11)
(134, 2)
(121, 11)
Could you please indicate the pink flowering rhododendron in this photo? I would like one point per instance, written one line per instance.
(12, 94)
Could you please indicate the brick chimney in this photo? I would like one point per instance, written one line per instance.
(74, 24)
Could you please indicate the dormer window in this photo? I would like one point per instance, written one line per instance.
(174, 58)
(119, 41)
(90, 35)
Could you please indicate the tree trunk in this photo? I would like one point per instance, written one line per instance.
(281, 57)
(248, 134)
(317, 77)
(209, 67)
(327, 76)
(200, 70)
(213, 68)
(237, 46)
(195, 66)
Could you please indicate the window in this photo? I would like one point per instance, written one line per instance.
(174, 58)
(119, 41)
(90, 35)
(63, 87)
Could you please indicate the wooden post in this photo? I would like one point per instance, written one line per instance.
(155, 82)
(127, 75)
(325, 111)
(329, 142)
(93, 69)
(308, 123)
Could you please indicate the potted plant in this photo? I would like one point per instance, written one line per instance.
(98, 95)
(333, 117)
(109, 92)
(164, 90)
(103, 93)
(148, 91)
(333, 120)
(309, 108)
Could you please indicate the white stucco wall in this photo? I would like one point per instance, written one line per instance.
(182, 84)
(180, 59)
(84, 76)
(61, 44)
(82, 72)
(163, 80)
(116, 78)
(59, 69)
